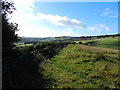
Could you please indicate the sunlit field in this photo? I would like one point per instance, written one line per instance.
(108, 42)
(79, 66)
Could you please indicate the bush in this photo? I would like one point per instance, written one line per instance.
(80, 43)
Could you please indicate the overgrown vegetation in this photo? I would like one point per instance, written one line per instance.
(24, 70)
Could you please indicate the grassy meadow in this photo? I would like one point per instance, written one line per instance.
(81, 66)
(108, 42)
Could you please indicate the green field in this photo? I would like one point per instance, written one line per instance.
(81, 66)
(22, 44)
(108, 42)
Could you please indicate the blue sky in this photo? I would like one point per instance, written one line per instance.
(51, 19)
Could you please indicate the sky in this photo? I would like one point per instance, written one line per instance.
(53, 19)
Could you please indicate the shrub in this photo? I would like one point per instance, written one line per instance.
(80, 43)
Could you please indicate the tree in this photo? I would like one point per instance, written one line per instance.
(8, 29)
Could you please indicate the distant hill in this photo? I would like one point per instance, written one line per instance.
(32, 39)
(62, 38)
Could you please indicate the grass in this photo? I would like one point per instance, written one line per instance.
(80, 66)
(108, 42)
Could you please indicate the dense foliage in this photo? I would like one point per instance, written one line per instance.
(8, 30)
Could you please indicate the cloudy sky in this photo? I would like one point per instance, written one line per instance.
(51, 19)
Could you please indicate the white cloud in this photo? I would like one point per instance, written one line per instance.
(69, 33)
(34, 31)
(99, 28)
(24, 15)
(107, 28)
(110, 13)
(23, 12)
(94, 28)
(25, 5)
(68, 29)
(106, 12)
(107, 9)
(60, 20)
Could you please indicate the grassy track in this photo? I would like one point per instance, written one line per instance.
(79, 66)
(108, 42)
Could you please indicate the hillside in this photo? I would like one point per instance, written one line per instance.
(103, 41)
(80, 66)
(108, 42)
